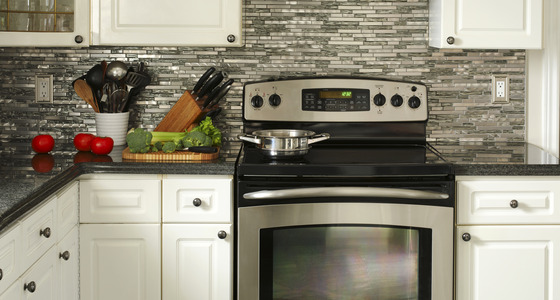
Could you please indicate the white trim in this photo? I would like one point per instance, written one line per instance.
(543, 84)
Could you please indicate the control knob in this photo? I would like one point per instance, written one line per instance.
(274, 100)
(257, 101)
(379, 99)
(414, 102)
(396, 100)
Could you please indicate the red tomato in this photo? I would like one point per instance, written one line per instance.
(102, 145)
(83, 156)
(82, 141)
(42, 162)
(43, 143)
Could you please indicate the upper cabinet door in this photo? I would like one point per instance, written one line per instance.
(44, 23)
(166, 22)
(486, 24)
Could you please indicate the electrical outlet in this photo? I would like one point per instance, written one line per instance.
(43, 88)
(500, 89)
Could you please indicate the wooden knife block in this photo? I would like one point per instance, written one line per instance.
(183, 114)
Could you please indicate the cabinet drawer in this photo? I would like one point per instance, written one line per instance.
(40, 233)
(197, 200)
(10, 251)
(120, 201)
(67, 209)
(508, 200)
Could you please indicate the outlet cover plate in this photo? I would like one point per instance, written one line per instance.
(500, 89)
(44, 88)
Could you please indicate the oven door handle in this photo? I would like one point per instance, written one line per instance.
(323, 192)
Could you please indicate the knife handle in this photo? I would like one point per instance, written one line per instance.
(203, 149)
(203, 79)
(210, 84)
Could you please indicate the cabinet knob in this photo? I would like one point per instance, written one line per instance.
(197, 202)
(30, 287)
(466, 236)
(231, 38)
(222, 234)
(450, 40)
(45, 232)
(64, 255)
(79, 39)
(514, 203)
(1, 274)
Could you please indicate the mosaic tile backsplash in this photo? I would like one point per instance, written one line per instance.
(383, 39)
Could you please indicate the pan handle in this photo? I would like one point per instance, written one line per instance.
(318, 138)
(249, 138)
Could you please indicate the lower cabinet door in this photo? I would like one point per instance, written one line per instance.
(197, 261)
(14, 292)
(120, 262)
(69, 264)
(507, 262)
(40, 281)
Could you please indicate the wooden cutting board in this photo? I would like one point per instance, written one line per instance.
(169, 157)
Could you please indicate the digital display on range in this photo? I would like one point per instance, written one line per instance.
(335, 99)
(335, 94)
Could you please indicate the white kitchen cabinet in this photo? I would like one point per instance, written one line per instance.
(197, 243)
(120, 262)
(508, 262)
(40, 281)
(483, 24)
(507, 238)
(12, 293)
(197, 261)
(120, 201)
(68, 266)
(167, 22)
(10, 255)
(39, 231)
(48, 24)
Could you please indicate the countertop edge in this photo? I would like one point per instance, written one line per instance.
(54, 184)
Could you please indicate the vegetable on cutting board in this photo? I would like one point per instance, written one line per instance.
(142, 141)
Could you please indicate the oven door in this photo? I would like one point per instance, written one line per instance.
(345, 249)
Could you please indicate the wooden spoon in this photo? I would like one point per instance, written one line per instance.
(84, 91)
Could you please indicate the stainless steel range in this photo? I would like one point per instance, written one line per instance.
(365, 212)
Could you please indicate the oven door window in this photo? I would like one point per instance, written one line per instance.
(345, 262)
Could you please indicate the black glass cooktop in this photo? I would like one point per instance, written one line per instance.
(346, 160)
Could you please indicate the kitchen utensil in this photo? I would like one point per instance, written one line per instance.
(83, 90)
(217, 94)
(94, 78)
(213, 113)
(137, 79)
(210, 85)
(116, 70)
(284, 142)
(183, 156)
(201, 149)
(202, 80)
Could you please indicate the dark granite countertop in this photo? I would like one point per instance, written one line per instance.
(29, 179)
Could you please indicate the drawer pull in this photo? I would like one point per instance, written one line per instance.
(197, 202)
(45, 232)
(466, 236)
(450, 40)
(1, 274)
(514, 203)
(222, 234)
(30, 287)
(64, 255)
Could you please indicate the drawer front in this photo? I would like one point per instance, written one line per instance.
(512, 201)
(120, 201)
(40, 233)
(67, 209)
(197, 200)
(10, 251)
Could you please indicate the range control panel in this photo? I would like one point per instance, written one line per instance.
(327, 99)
